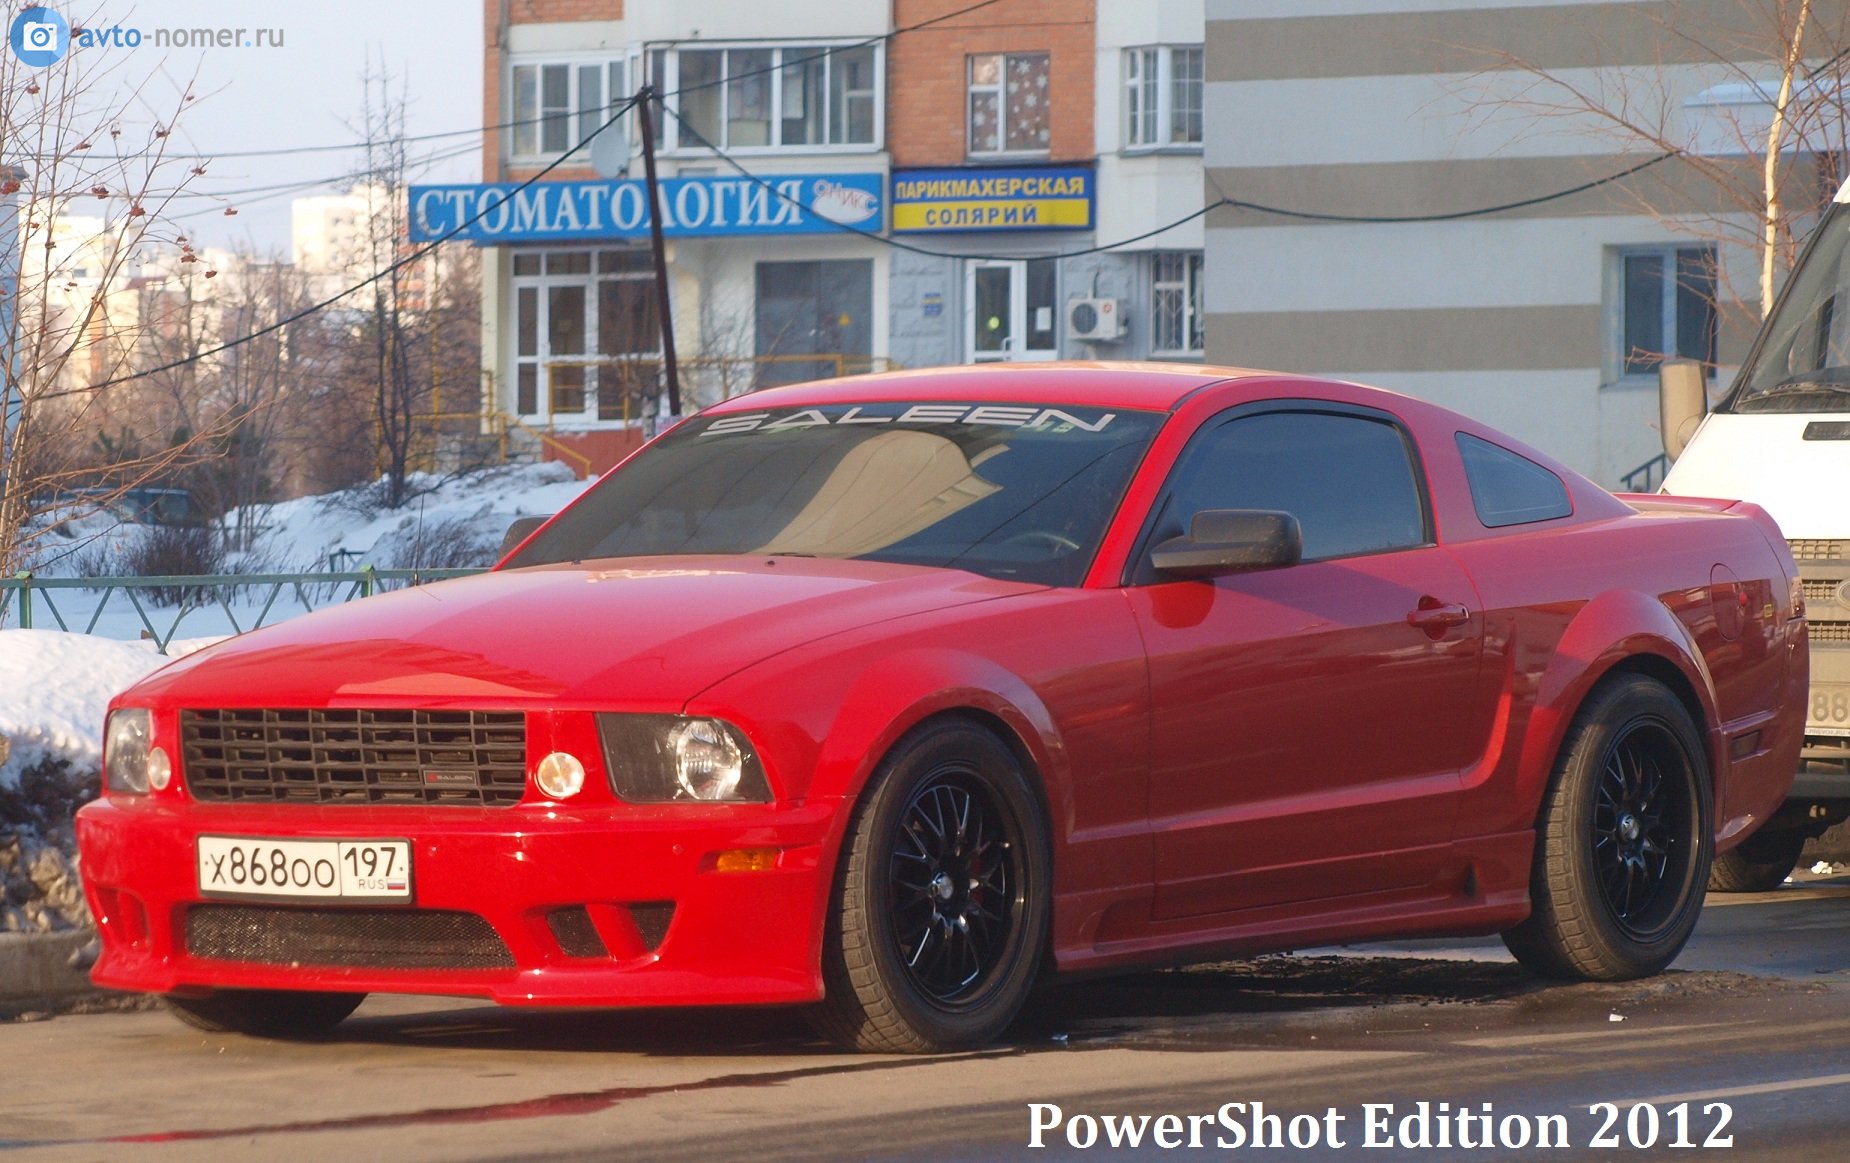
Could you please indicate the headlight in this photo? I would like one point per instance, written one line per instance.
(129, 754)
(667, 758)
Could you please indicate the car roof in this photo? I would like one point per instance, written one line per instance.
(1152, 386)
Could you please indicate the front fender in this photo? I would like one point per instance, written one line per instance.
(1615, 627)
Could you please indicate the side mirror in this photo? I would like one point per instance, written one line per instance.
(1222, 541)
(519, 531)
(1682, 401)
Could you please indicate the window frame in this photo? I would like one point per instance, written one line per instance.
(1138, 570)
(1136, 63)
(665, 60)
(1191, 286)
(615, 72)
(1617, 364)
(1463, 441)
(1000, 89)
(541, 285)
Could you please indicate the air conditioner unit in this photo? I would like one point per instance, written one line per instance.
(1094, 320)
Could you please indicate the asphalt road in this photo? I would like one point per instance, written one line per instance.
(1747, 1041)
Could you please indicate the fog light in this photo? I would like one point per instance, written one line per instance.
(747, 860)
(560, 776)
(160, 769)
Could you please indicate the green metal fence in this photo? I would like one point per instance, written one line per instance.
(34, 602)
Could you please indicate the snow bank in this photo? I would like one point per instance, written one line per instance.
(54, 688)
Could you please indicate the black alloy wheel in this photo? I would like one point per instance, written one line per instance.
(1624, 839)
(955, 897)
(1643, 819)
(942, 900)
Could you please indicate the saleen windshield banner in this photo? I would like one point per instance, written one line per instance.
(706, 207)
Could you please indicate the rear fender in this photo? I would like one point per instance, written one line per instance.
(1613, 629)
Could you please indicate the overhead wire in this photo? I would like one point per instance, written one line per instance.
(407, 260)
(1215, 204)
(489, 206)
(661, 99)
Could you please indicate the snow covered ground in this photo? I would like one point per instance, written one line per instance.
(54, 685)
(455, 522)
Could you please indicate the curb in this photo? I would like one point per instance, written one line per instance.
(40, 965)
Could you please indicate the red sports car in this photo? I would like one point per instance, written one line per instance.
(889, 695)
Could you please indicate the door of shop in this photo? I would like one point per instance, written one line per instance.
(813, 308)
(1009, 309)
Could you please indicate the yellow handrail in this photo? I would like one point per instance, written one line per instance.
(564, 450)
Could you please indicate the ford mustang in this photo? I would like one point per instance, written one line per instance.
(889, 696)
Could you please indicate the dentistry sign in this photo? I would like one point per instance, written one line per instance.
(706, 207)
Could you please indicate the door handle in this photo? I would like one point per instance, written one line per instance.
(1436, 617)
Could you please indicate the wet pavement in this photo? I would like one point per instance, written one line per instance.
(1753, 1022)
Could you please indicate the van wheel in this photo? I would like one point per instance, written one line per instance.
(1624, 842)
(1760, 863)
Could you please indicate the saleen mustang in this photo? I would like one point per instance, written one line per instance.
(888, 695)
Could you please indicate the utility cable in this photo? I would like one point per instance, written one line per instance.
(414, 256)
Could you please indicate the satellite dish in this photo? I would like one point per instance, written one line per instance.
(610, 151)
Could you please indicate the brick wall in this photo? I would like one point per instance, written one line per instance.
(927, 78)
(494, 13)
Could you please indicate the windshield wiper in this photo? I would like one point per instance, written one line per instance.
(1799, 387)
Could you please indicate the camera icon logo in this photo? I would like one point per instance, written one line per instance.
(39, 37)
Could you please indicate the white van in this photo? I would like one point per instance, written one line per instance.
(1781, 439)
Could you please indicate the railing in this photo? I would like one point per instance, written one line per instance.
(621, 379)
(202, 591)
(619, 384)
(1647, 476)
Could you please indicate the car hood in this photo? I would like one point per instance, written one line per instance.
(646, 633)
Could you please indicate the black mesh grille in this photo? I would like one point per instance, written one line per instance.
(465, 758)
(577, 936)
(370, 938)
(652, 920)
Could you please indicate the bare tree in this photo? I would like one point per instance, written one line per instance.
(398, 398)
(96, 179)
(1764, 138)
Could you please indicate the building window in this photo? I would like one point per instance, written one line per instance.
(587, 336)
(1666, 307)
(805, 96)
(1175, 303)
(555, 105)
(1009, 103)
(1162, 96)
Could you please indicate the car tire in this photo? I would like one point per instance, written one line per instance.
(937, 928)
(1623, 844)
(1760, 863)
(265, 1013)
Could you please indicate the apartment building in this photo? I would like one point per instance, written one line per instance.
(847, 185)
(1030, 138)
(1374, 133)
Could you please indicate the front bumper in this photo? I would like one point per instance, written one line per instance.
(731, 938)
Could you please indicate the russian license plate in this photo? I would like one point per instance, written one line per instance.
(1830, 709)
(249, 866)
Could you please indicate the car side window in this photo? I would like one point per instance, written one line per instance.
(1349, 480)
(1508, 488)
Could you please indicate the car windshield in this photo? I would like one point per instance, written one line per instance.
(1021, 492)
(1803, 364)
